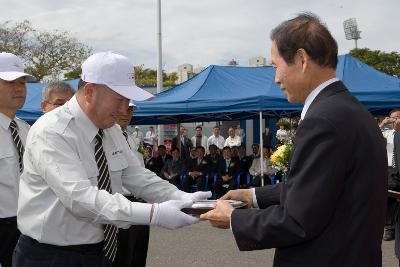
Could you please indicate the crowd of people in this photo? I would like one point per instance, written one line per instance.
(210, 163)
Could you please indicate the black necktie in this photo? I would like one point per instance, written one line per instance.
(18, 143)
(104, 183)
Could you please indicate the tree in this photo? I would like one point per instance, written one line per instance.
(148, 77)
(46, 53)
(382, 61)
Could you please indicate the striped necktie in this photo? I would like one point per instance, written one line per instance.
(104, 183)
(18, 143)
(124, 132)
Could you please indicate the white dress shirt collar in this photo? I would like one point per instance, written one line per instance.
(4, 121)
(87, 126)
(310, 98)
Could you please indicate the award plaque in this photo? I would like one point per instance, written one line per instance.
(203, 206)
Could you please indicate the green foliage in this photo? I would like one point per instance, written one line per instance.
(46, 53)
(382, 61)
(285, 122)
(148, 77)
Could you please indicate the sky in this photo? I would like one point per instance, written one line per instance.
(203, 32)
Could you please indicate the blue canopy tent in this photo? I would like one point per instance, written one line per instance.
(222, 93)
(229, 93)
(31, 111)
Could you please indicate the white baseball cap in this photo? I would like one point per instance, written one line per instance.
(116, 72)
(12, 68)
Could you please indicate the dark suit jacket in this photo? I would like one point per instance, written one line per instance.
(151, 165)
(160, 162)
(233, 168)
(214, 161)
(203, 167)
(331, 209)
(245, 163)
(185, 147)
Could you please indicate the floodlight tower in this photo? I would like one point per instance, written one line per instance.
(351, 30)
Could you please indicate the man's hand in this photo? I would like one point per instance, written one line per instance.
(219, 217)
(244, 195)
(168, 214)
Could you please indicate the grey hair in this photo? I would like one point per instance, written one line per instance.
(55, 86)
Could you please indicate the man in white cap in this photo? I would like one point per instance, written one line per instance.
(13, 132)
(76, 162)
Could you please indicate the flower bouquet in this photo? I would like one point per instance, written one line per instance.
(280, 158)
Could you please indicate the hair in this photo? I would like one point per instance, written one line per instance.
(257, 145)
(162, 146)
(308, 32)
(394, 110)
(199, 127)
(243, 145)
(212, 145)
(200, 147)
(226, 148)
(216, 127)
(55, 86)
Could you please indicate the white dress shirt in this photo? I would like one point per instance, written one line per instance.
(310, 98)
(59, 201)
(235, 141)
(9, 165)
(150, 138)
(389, 135)
(218, 141)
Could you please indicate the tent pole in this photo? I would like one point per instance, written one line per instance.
(261, 151)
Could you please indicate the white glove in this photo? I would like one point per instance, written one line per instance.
(196, 196)
(168, 214)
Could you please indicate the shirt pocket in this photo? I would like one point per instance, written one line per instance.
(9, 163)
(116, 165)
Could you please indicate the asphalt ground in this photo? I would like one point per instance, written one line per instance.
(202, 245)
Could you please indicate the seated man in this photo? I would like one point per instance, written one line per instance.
(255, 169)
(173, 167)
(227, 170)
(150, 162)
(197, 169)
(213, 158)
(161, 158)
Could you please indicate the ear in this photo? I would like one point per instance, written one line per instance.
(88, 92)
(302, 58)
(43, 106)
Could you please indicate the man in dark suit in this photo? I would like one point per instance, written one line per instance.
(161, 159)
(331, 209)
(197, 168)
(182, 142)
(228, 168)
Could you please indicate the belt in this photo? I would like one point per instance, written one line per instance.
(8, 220)
(96, 247)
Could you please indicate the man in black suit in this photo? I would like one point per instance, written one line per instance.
(161, 159)
(331, 209)
(228, 168)
(197, 168)
(182, 142)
